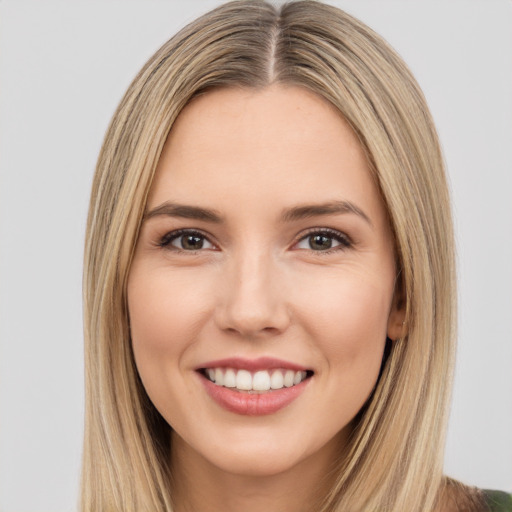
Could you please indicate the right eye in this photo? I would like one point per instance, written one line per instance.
(186, 241)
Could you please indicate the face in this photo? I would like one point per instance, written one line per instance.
(262, 286)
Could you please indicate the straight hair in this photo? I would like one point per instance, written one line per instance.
(395, 454)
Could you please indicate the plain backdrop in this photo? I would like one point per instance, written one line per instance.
(63, 68)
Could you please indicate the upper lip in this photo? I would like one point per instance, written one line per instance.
(253, 365)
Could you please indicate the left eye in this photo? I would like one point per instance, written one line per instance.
(323, 241)
(186, 241)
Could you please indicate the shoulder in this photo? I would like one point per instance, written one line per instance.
(458, 497)
(498, 501)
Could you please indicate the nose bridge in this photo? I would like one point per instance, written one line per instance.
(252, 301)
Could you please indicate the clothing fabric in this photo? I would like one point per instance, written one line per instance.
(498, 501)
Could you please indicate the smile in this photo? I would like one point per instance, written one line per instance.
(254, 387)
(255, 382)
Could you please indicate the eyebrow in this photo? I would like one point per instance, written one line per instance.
(329, 208)
(184, 211)
(288, 215)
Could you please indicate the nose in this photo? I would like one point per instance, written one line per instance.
(252, 300)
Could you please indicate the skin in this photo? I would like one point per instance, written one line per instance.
(258, 288)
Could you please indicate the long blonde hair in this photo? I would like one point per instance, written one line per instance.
(396, 450)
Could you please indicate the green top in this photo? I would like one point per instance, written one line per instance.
(498, 501)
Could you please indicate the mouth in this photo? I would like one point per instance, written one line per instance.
(255, 382)
(254, 387)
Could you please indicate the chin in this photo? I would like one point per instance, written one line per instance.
(270, 455)
(255, 464)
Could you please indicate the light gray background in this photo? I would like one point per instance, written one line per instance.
(64, 66)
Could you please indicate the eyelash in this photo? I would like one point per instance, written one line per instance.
(165, 241)
(343, 240)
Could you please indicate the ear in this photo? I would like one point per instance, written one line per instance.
(396, 320)
(396, 323)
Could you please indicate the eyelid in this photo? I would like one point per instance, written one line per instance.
(165, 241)
(344, 240)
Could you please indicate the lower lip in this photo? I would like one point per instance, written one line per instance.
(257, 404)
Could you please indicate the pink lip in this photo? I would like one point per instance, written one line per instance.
(252, 404)
(252, 365)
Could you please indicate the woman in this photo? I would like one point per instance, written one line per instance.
(269, 277)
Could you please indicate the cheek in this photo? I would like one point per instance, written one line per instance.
(347, 302)
(167, 311)
(346, 316)
(164, 304)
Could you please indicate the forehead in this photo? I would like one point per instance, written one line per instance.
(283, 143)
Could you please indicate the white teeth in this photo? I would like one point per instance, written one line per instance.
(288, 378)
(277, 380)
(243, 380)
(219, 377)
(261, 380)
(230, 378)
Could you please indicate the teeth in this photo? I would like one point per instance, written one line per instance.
(289, 378)
(261, 380)
(230, 378)
(219, 376)
(243, 380)
(277, 380)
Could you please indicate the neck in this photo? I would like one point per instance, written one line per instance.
(197, 482)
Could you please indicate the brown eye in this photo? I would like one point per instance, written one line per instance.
(186, 241)
(320, 242)
(190, 242)
(324, 241)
